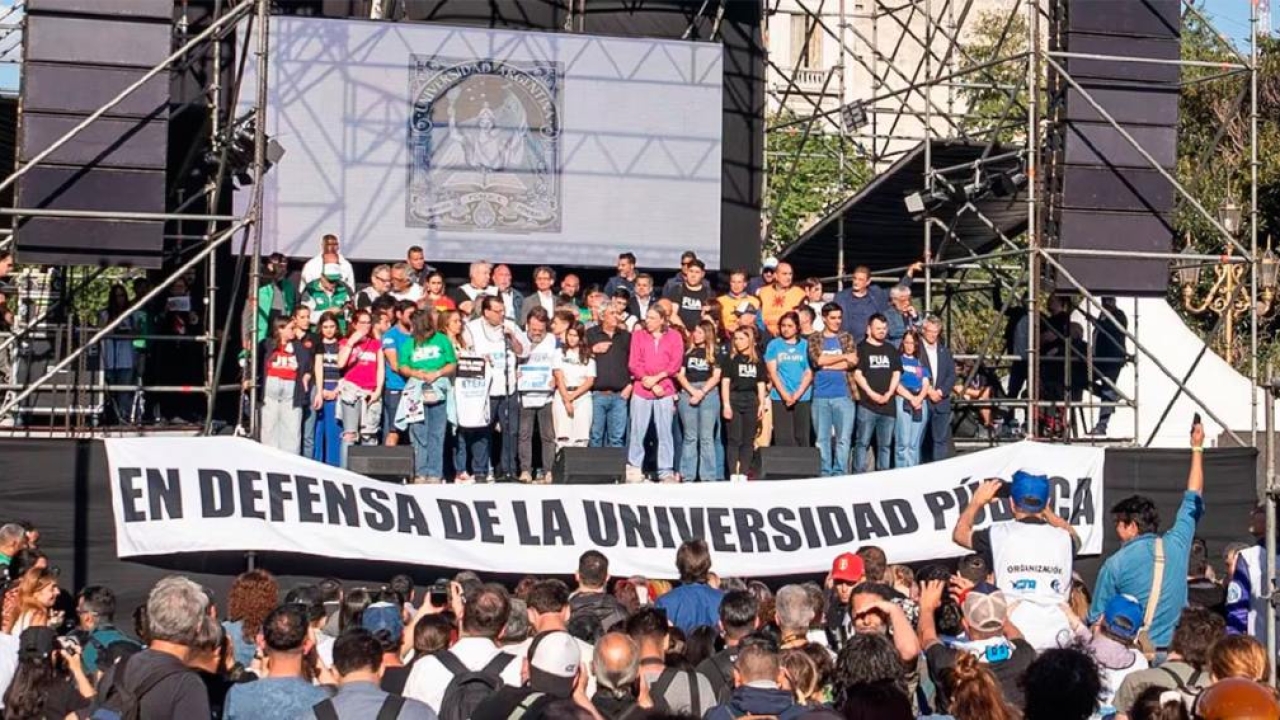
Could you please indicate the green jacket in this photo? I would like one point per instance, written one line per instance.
(322, 302)
(266, 299)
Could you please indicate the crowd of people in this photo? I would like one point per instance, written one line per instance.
(1008, 631)
(690, 381)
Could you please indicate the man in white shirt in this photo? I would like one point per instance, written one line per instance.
(8, 663)
(536, 385)
(328, 255)
(549, 612)
(543, 280)
(500, 342)
(484, 614)
(402, 287)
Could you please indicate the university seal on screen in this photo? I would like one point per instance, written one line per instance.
(484, 141)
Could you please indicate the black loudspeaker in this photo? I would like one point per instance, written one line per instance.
(77, 55)
(789, 463)
(590, 466)
(389, 464)
(1102, 193)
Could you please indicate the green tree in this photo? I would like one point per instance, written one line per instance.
(805, 180)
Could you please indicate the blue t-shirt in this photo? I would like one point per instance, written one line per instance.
(913, 374)
(284, 698)
(391, 341)
(830, 383)
(792, 360)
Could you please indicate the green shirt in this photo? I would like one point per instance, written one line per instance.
(427, 356)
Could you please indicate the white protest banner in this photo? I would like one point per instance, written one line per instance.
(185, 495)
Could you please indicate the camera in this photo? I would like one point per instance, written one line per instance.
(438, 594)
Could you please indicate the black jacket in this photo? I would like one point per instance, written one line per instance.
(600, 605)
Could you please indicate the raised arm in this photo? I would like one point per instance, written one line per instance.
(986, 492)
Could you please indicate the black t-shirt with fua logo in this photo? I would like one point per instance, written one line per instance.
(689, 302)
(743, 374)
(878, 363)
(697, 369)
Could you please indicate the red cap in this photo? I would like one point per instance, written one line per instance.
(847, 567)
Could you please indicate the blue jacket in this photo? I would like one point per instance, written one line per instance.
(858, 310)
(747, 700)
(1246, 606)
(1131, 569)
(944, 376)
(689, 606)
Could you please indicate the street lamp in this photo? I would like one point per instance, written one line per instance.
(1228, 296)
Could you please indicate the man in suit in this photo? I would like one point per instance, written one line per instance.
(942, 365)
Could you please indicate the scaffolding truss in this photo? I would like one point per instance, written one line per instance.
(888, 75)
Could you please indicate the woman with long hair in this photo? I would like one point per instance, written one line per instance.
(428, 356)
(913, 402)
(254, 594)
(33, 607)
(787, 359)
(743, 399)
(1158, 703)
(434, 297)
(120, 355)
(575, 373)
(360, 391)
(49, 682)
(451, 323)
(699, 380)
(286, 373)
(975, 694)
(806, 683)
(654, 359)
(328, 437)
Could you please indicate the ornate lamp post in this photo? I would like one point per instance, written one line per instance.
(1228, 296)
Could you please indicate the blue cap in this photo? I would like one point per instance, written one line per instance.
(1030, 492)
(1123, 616)
(384, 616)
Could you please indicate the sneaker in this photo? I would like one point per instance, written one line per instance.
(489, 479)
(634, 474)
(432, 480)
(525, 477)
(463, 479)
(545, 478)
(1099, 430)
(669, 478)
(419, 480)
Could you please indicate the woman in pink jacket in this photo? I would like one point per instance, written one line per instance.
(657, 352)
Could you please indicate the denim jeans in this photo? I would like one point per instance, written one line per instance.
(662, 412)
(505, 411)
(281, 423)
(428, 442)
(838, 415)
(909, 434)
(327, 438)
(309, 426)
(122, 400)
(473, 445)
(608, 420)
(698, 454)
(881, 426)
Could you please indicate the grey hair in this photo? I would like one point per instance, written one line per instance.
(517, 629)
(11, 533)
(900, 291)
(401, 266)
(176, 608)
(481, 264)
(933, 320)
(209, 635)
(794, 608)
(619, 680)
(382, 268)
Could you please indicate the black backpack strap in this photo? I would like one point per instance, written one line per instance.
(1177, 681)
(390, 709)
(451, 663)
(695, 695)
(325, 710)
(658, 690)
(498, 664)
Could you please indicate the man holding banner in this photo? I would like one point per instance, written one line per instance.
(1031, 555)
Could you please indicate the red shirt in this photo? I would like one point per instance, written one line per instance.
(283, 363)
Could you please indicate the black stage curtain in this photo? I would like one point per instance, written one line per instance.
(61, 486)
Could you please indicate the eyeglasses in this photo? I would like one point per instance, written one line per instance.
(382, 278)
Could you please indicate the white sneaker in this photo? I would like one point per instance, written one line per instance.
(634, 474)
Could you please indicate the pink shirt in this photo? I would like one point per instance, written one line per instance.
(362, 367)
(650, 356)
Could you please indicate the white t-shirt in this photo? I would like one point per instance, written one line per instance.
(575, 373)
(471, 394)
(489, 342)
(413, 294)
(8, 663)
(536, 372)
(315, 267)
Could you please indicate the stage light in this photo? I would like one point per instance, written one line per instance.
(853, 116)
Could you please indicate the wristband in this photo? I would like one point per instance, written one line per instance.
(1197, 449)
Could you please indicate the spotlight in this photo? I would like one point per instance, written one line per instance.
(853, 116)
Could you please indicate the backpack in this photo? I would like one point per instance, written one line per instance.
(124, 703)
(469, 688)
(390, 710)
(658, 691)
(1190, 693)
(718, 670)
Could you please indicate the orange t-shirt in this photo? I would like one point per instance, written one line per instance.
(775, 303)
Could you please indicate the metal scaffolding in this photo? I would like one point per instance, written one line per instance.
(982, 71)
(250, 19)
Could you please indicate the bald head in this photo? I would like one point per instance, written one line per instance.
(616, 663)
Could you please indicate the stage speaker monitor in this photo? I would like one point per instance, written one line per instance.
(789, 463)
(388, 464)
(590, 466)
